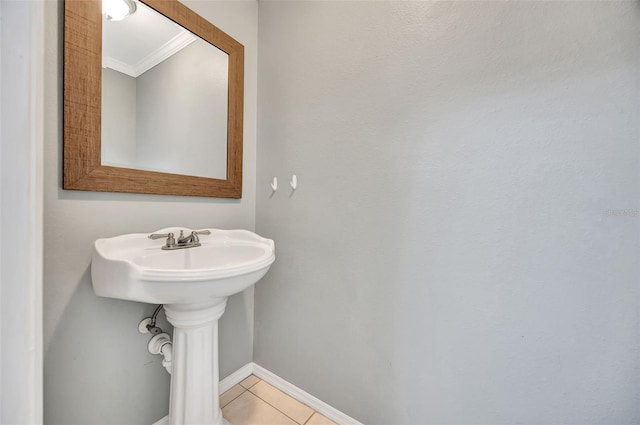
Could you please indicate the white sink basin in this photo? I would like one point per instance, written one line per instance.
(134, 267)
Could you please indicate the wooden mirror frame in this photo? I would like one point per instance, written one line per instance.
(83, 169)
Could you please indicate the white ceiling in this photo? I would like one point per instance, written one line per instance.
(141, 41)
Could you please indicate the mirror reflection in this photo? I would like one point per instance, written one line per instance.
(164, 96)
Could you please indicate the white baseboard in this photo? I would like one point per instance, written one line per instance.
(286, 387)
(236, 377)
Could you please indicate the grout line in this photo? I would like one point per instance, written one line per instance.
(244, 390)
(252, 385)
(313, 412)
(260, 398)
(307, 421)
(255, 383)
(274, 407)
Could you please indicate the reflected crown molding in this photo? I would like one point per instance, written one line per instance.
(162, 53)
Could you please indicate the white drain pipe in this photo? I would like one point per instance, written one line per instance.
(167, 352)
(161, 344)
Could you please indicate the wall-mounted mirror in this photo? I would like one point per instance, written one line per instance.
(153, 102)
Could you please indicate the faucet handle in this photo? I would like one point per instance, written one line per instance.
(160, 235)
(195, 234)
(170, 239)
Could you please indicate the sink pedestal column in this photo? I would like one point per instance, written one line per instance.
(194, 376)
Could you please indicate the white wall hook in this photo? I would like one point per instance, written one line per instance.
(274, 184)
(294, 182)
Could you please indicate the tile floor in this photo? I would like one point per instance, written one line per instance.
(254, 402)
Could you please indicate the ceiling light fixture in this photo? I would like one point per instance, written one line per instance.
(117, 10)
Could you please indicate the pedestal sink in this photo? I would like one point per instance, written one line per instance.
(193, 284)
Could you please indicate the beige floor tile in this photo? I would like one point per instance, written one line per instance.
(250, 381)
(229, 395)
(287, 405)
(250, 410)
(318, 419)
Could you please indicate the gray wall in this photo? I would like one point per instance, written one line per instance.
(456, 251)
(97, 369)
(182, 113)
(118, 126)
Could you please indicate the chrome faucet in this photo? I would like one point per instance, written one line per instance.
(183, 241)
